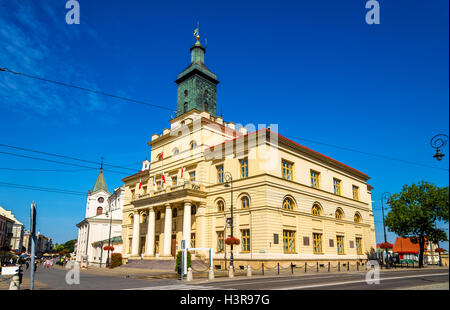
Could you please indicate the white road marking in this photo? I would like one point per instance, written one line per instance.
(359, 281)
(177, 287)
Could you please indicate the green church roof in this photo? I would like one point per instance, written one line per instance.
(100, 184)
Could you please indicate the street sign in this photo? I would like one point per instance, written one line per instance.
(10, 271)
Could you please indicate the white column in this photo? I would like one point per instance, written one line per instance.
(201, 226)
(135, 244)
(151, 232)
(167, 231)
(187, 223)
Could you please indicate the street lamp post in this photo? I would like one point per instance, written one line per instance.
(384, 196)
(109, 239)
(229, 183)
(437, 142)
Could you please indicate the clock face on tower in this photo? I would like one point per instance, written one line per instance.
(101, 199)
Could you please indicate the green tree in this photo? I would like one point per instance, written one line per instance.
(69, 245)
(414, 212)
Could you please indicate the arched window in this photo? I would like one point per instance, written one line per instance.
(316, 210)
(158, 215)
(357, 218)
(206, 106)
(288, 204)
(144, 218)
(220, 206)
(99, 210)
(175, 212)
(245, 202)
(176, 151)
(186, 92)
(193, 210)
(185, 107)
(339, 214)
(131, 219)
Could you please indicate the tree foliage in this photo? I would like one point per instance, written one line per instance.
(414, 212)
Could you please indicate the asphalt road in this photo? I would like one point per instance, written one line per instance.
(56, 279)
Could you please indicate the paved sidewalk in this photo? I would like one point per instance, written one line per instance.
(4, 284)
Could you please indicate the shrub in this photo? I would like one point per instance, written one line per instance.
(116, 260)
(178, 263)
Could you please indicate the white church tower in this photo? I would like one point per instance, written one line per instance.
(102, 224)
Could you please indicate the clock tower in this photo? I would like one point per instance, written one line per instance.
(197, 86)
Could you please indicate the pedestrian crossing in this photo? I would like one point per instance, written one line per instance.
(181, 287)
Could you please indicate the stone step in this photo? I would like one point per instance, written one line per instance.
(159, 264)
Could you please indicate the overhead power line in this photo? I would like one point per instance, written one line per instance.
(86, 89)
(366, 153)
(42, 189)
(59, 162)
(45, 170)
(64, 156)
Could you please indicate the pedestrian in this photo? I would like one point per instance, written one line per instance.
(27, 264)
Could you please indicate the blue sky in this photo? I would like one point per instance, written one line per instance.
(313, 67)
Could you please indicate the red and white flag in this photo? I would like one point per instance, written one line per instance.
(182, 170)
(140, 183)
(154, 184)
(163, 178)
(161, 156)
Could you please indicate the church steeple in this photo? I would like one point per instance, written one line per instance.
(197, 86)
(100, 183)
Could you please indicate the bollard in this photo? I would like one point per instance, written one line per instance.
(357, 266)
(407, 264)
(339, 266)
(348, 266)
(189, 274)
(211, 273)
(328, 266)
(305, 267)
(292, 268)
(262, 267)
(278, 268)
(15, 283)
(230, 273)
(249, 271)
(317, 266)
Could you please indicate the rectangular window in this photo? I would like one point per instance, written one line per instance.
(359, 249)
(315, 179)
(245, 240)
(174, 181)
(192, 176)
(340, 245)
(244, 168)
(193, 240)
(288, 241)
(337, 186)
(144, 189)
(220, 174)
(287, 170)
(220, 241)
(317, 243)
(355, 192)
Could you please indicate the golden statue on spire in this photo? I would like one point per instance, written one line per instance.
(196, 33)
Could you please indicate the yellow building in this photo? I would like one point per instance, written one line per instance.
(290, 203)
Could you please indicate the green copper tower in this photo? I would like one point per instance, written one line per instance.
(197, 86)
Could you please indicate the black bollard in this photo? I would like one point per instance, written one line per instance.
(328, 266)
(292, 268)
(262, 266)
(305, 266)
(278, 268)
(339, 266)
(348, 266)
(317, 266)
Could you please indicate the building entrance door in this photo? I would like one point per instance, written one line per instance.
(174, 245)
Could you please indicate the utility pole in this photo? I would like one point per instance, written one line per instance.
(33, 243)
(109, 239)
(385, 195)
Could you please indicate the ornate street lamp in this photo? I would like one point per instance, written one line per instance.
(229, 183)
(437, 142)
(385, 196)
(109, 239)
